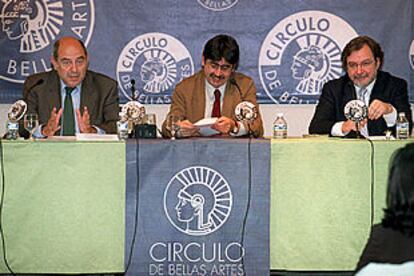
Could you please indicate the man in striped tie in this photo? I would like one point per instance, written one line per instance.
(383, 94)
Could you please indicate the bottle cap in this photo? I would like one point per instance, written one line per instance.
(280, 114)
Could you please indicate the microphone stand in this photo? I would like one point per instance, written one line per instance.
(358, 134)
(134, 95)
(250, 133)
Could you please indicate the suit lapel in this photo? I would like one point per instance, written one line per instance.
(53, 92)
(374, 127)
(350, 93)
(199, 98)
(89, 94)
(228, 101)
(377, 90)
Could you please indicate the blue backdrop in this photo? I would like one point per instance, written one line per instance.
(190, 212)
(289, 47)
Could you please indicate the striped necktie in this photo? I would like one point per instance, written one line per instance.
(362, 94)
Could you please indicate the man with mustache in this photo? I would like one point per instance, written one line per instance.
(215, 91)
(384, 94)
(71, 99)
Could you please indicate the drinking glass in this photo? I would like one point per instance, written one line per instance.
(30, 122)
(172, 125)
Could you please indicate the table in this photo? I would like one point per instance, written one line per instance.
(64, 206)
(320, 214)
(69, 209)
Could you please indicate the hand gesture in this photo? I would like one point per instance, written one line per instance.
(52, 125)
(84, 121)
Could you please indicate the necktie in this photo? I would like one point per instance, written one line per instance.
(68, 116)
(362, 94)
(216, 106)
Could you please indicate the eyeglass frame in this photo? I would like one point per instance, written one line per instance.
(364, 65)
(223, 68)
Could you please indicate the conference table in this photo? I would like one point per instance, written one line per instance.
(71, 206)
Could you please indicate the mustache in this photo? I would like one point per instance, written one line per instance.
(212, 75)
(360, 76)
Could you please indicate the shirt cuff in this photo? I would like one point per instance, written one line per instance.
(336, 130)
(37, 133)
(391, 118)
(99, 130)
(242, 130)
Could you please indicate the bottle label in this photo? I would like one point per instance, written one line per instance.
(402, 130)
(280, 127)
(122, 127)
(12, 126)
(279, 131)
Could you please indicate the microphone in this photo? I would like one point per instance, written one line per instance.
(134, 95)
(245, 111)
(37, 83)
(233, 81)
(17, 111)
(356, 111)
(133, 111)
(14, 115)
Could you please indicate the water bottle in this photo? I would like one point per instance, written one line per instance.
(12, 131)
(402, 127)
(280, 127)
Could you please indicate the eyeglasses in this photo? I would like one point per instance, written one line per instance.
(66, 63)
(224, 67)
(364, 65)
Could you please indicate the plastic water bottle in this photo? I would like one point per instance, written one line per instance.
(12, 131)
(280, 127)
(402, 127)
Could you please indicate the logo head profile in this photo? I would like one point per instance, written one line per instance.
(34, 23)
(30, 28)
(157, 62)
(411, 55)
(156, 75)
(303, 49)
(197, 201)
(309, 66)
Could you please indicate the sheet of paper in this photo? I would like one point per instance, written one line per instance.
(379, 138)
(96, 137)
(205, 126)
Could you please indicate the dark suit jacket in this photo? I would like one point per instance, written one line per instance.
(386, 245)
(337, 93)
(189, 100)
(99, 94)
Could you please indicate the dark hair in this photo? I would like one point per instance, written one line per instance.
(399, 214)
(56, 46)
(357, 44)
(222, 46)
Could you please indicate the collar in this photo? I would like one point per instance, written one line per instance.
(369, 87)
(63, 86)
(210, 90)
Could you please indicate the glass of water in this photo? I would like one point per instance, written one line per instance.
(172, 125)
(30, 122)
